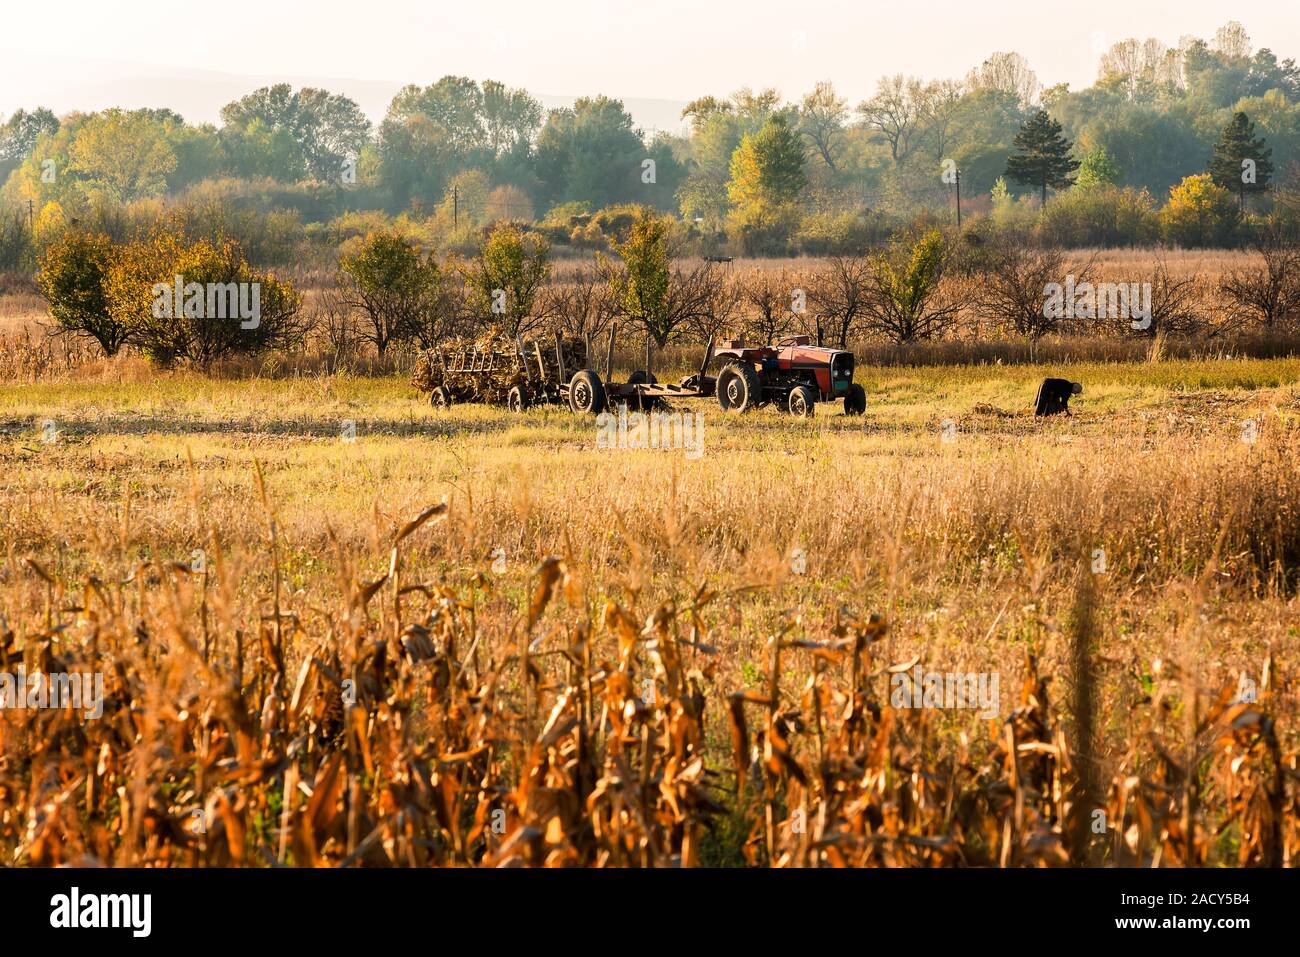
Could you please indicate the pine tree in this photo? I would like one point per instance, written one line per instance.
(1241, 161)
(1042, 156)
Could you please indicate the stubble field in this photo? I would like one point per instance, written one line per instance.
(572, 638)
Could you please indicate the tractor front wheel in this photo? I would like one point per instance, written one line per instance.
(738, 387)
(803, 402)
(586, 393)
(855, 402)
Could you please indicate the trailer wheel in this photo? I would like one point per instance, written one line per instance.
(440, 398)
(855, 402)
(641, 377)
(517, 400)
(738, 387)
(803, 402)
(586, 393)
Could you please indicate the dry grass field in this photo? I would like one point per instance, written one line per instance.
(582, 655)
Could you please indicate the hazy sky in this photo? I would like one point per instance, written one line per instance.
(80, 53)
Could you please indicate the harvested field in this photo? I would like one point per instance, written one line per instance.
(620, 656)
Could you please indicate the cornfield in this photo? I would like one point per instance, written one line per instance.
(395, 728)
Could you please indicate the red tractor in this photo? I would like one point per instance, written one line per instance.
(793, 375)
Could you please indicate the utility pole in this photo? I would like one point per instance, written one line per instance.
(959, 200)
(31, 217)
(455, 207)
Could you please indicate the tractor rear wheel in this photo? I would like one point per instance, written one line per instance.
(586, 393)
(440, 398)
(803, 402)
(855, 402)
(738, 387)
(516, 399)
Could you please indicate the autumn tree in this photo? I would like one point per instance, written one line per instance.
(1199, 213)
(199, 301)
(767, 179)
(73, 276)
(124, 154)
(821, 120)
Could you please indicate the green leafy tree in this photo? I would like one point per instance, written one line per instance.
(902, 287)
(642, 288)
(1097, 170)
(767, 180)
(260, 150)
(592, 154)
(432, 133)
(510, 117)
(1042, 156)
(200, 155)
(327, 128)
(1241, 162)
(505, 277)
(21, 131)
(392, 286)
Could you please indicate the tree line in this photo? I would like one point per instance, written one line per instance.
(288, 170)
(386, 292)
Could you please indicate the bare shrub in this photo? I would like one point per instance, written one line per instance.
(839, 293)
(768, 301)
(1267, 295)
(581, 303)
(1175, 303)
(1016, 286)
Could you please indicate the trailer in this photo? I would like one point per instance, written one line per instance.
(496, 371)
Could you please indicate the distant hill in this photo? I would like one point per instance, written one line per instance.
(198, 95)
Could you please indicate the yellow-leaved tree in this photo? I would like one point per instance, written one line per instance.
(1199, 213)
(767, 180)
(124, 154)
